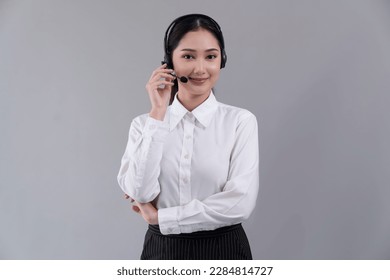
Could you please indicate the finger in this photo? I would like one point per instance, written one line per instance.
(128, 196)
(159, 85)
(165, 76)
(156, 71)
(163, 66)
(161, 76)
(159, 79)
(157, 82)
(160, 71)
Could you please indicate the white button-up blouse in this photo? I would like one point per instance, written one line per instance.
(200, 168)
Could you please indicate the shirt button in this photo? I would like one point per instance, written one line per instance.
(152, 126)
(186, 156)
(188, 136)
(185, 180)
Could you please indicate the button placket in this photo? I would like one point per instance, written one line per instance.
(185, 159)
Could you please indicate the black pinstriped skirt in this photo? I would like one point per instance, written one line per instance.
(226, 243)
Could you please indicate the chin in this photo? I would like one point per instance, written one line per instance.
(200, 92)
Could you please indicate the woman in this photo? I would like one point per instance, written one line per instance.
(191, 168)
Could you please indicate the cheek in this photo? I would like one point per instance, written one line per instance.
(214, 71)
(176, 62)
(215, 67)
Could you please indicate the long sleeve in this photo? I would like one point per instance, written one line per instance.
(237, 199)
(140, 165)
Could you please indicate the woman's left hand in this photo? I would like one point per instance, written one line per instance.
(146, 210)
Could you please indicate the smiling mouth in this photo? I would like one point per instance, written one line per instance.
(198, 80)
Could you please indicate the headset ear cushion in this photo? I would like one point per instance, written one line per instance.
(223, 60)
(168, 61)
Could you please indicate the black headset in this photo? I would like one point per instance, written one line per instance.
(168, 54)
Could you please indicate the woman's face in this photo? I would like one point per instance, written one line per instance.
(197, 57)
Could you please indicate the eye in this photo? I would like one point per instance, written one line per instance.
(188, 56)
(211, 56)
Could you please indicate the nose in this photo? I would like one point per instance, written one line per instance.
(199, 67)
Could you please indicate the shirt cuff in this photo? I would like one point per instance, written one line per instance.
(167, 220)
(156, 129)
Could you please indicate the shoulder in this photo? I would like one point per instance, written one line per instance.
(236, 114)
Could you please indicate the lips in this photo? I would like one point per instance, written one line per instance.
(198, 80)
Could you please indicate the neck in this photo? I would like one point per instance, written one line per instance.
(191, 101)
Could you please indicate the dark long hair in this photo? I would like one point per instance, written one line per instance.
(181, 26)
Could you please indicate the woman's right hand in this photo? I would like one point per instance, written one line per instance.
(159, 96)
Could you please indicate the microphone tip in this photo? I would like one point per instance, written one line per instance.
(183, 79)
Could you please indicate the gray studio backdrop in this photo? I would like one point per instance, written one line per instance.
(315, 73)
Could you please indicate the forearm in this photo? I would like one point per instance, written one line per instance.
(232, 206)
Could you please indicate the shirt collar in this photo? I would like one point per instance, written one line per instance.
(203, 113)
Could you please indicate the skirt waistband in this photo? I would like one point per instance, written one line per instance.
(197, 234)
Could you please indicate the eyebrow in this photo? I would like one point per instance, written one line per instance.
(192, 50)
